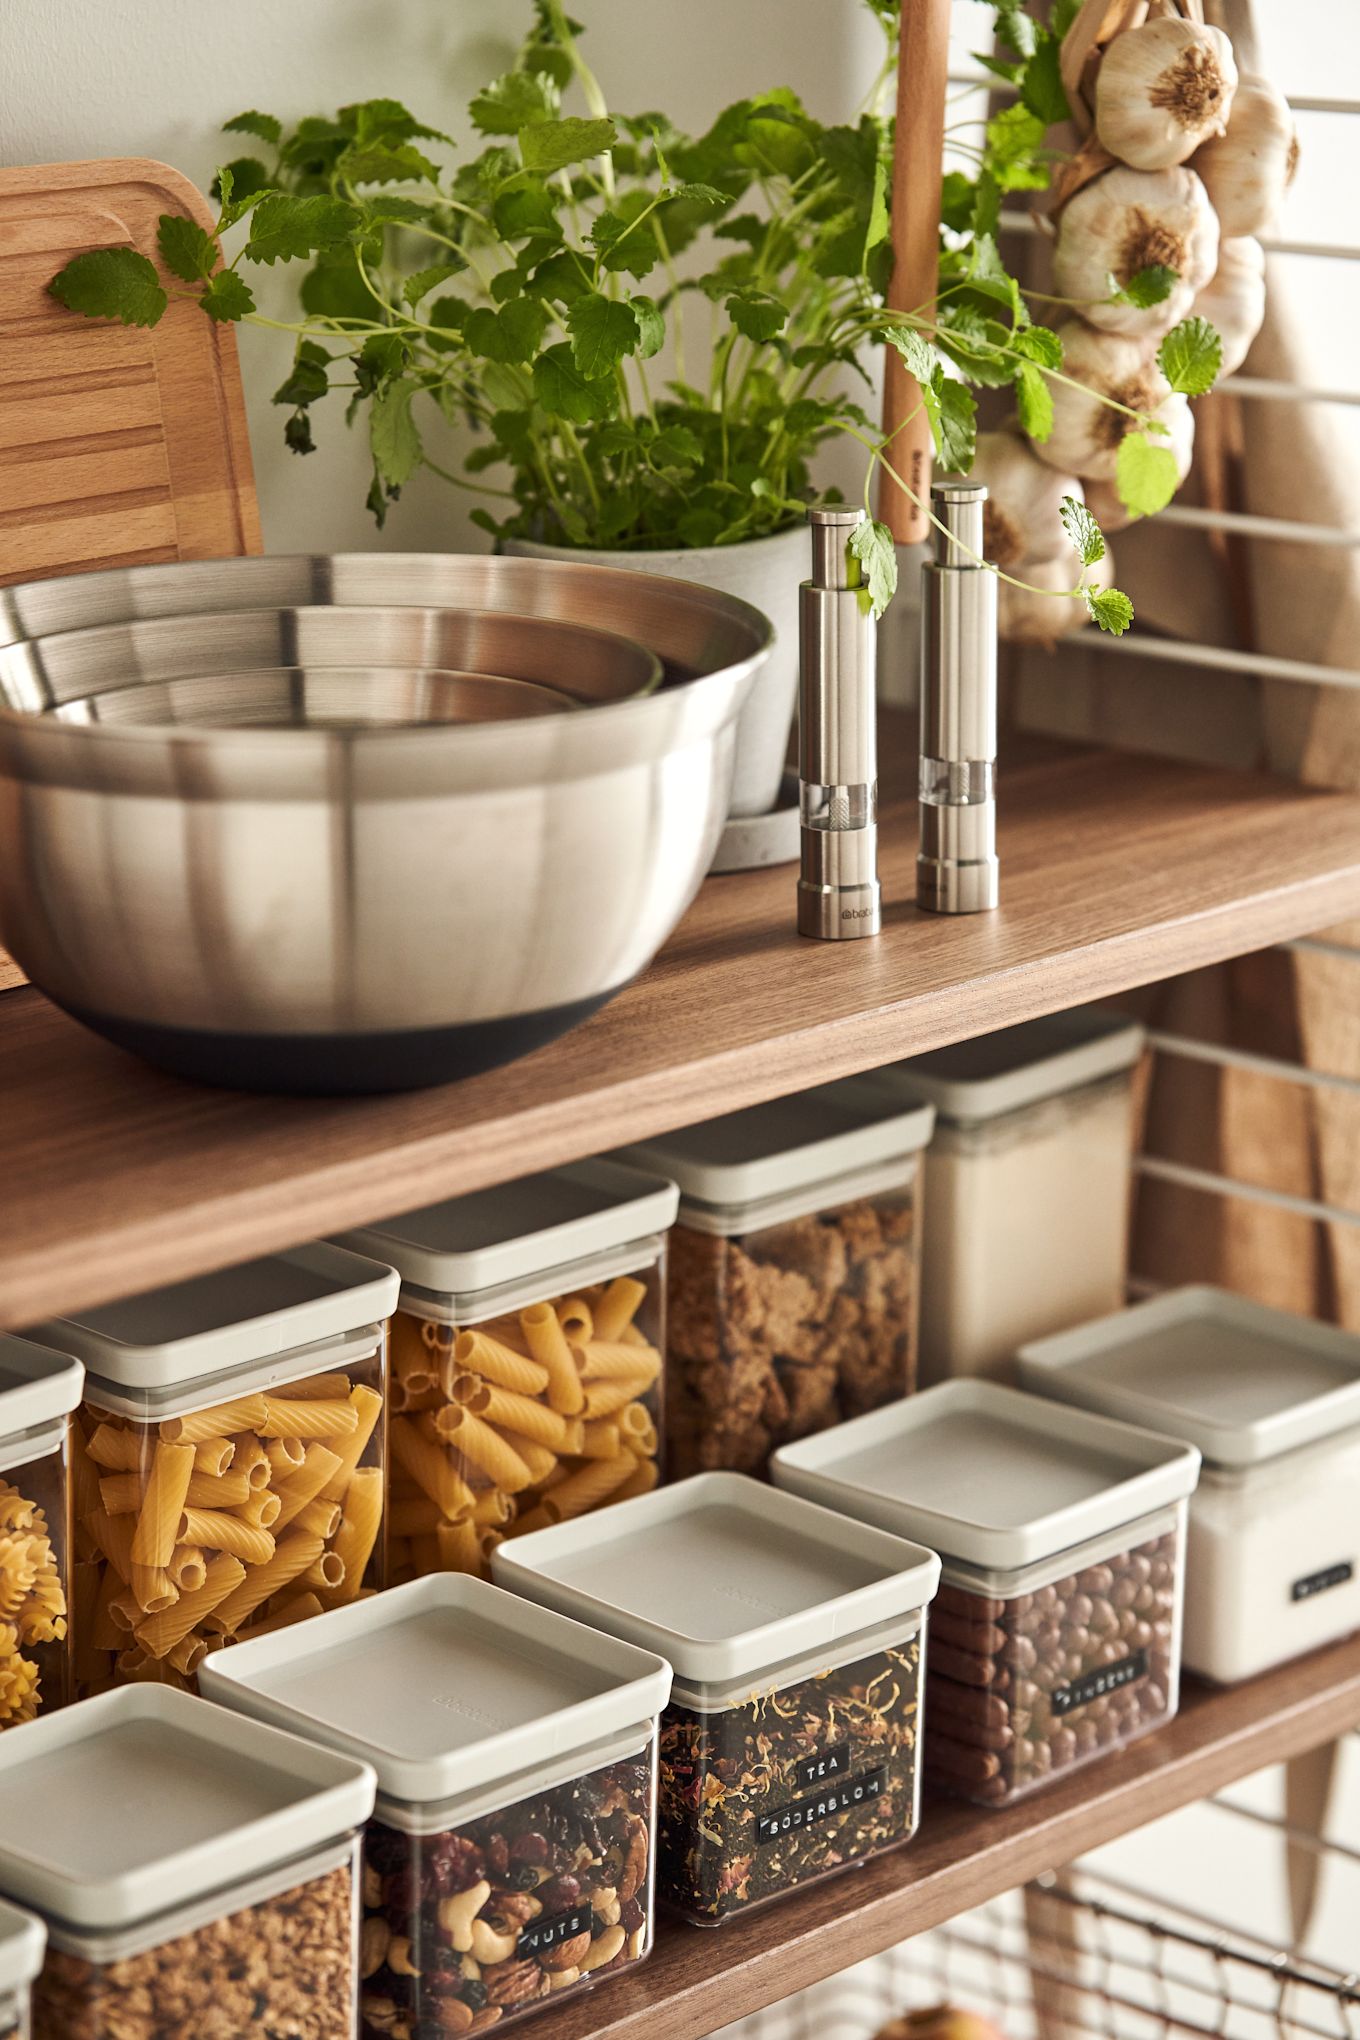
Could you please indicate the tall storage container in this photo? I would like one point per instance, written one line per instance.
(38, 1390)
(22, 1940)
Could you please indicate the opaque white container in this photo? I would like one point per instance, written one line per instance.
(22, 1940)
(1273, 1403)
(1027, 1185)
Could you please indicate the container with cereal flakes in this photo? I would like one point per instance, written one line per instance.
(789, 1749)
(509, 1863)
(196, 1873)
(526, 1358)
(793, 1270)
(1055, 1637)
(38, 1390)
(22, 1940)
(227, 1463)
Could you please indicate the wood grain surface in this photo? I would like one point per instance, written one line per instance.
(1116, 870)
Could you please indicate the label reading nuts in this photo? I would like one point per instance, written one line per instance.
(1318, 1582)
(832, 1762)
(801, 1814)
(1107, 1679)
(542, 1934)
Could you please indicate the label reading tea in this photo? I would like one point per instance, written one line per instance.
(832, 1762)
(541, 1935)
(1108, 1679)
(1318, 1582)
(801, 1814)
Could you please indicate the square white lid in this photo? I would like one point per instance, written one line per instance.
(23, 1941)
(987, 1475)
(515, 1229)
(37, 1386)
(445, 1685)
(1241, 1381)
(997, 1073)
(167, 1337)
(721, 1574)
(788, 1144)
(125, 1806)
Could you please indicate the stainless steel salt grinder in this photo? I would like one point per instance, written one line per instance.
(838, 895)
(957, 870)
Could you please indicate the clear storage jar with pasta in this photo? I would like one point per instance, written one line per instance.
(526, 1354)
(227, 1460)
(38, 1390)
(22, 1939)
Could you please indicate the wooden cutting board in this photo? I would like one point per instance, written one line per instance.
(118, 446)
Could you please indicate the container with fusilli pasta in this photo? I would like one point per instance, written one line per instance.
(38, 1390)
(22, 1940)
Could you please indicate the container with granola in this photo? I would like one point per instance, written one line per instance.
(38, 1390)
(509, 1865)
(790, 1746)
(793, 1270)
(22, 1939)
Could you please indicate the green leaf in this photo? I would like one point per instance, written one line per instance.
(1041, 85)
(756, 314)
(1014, 27)
(872, 545)
(524, 209)
(602, 331)
(1146, 287)
(386, 120)
(986, 205)
(262, 125)
(676, 447)
(334, 289)
(1110, 608)
(391, 209)
(186, 250)
(1064, 14)
(1191, 356)
(1145, 474)
(425, 280)
(393, 434)
(956, 202)
(1088, 540)
(513, 102)
(307, 379)
(1015, 138)
(283, 227)
(227, 297)
(952, 411)
(238, 186)
(920, 357)
(564, 392)
(621, 246)
(511, 335)
(550, 145)
(111, 283)
(651, 325)
(697, 194)
(1039, 343)
(297, 433)
(1033, 401)
(386, 163)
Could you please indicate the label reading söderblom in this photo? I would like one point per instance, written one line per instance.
(801, 1814)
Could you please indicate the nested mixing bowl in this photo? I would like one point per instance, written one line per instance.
(355, 909)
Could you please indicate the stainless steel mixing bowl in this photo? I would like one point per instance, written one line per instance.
(318, 697)
(361, 910)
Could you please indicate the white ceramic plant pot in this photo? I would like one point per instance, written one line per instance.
(765, 572)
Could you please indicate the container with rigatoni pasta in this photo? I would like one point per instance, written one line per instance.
(38, 1390)
(526, 1353)
(227, 1460)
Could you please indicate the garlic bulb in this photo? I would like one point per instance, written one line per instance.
(1022, 517)
(1235, 302)
(1161, 90)
(1103, 502)
(1086, 433)
(1248, 171)
(1129, 220)
(1026, 619)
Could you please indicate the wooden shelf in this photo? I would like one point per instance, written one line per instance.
(1117, 870)
(700, 1978)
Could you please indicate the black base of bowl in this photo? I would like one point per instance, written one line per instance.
(339, 1065)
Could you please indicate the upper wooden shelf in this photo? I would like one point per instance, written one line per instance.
(1116, 870)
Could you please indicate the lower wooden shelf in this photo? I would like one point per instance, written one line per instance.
(699, 1979)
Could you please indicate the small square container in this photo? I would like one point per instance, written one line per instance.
(227, 1459)
(789, 1748)
(38, 1391)
(1055, 1636)
(526, 1358)
(793, 1271)
(1027, 1185)
(22, 1940)
(197, 1873)
(1273, 1403)
(509, 1863)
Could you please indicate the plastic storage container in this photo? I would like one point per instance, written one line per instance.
(197, 1873)
(38, 1390)
(1056, 1632)
(227, 1459)
(526, 1358)
(1273, 1403)
(789, 1748)
(509, 1862)
(793, 1276)
(22, 1940)
(1027, 1185)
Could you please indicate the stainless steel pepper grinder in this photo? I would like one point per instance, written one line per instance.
(957, 870)
(838, 893)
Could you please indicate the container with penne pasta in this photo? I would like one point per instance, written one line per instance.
(22, 1939)
(790, 1745)
(38, 1391)
(509, 1864)
(197, 1873)
(526, 1353)
(227, 1460)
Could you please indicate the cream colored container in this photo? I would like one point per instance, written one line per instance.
(22, 1940)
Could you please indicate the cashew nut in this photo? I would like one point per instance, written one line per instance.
(559, 1978)
(456, 1914)
(373, 1945)
(604, 1950)
(603, 1898)
(380, 2012)
(399, 1956)
(489, 1946)
(373, 1886)
(636, 1942)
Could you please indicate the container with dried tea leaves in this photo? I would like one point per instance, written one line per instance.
(38, 1390)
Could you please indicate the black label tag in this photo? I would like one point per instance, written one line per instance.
(801, 1814)
(1108, 1679)
(832, 1762)
(541, 1935)
(1318, 1582)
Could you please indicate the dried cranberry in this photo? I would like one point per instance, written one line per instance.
(631, 1916)
(497, 1856)
(529, 1848)
(559, 1894)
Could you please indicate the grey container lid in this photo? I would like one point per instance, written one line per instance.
(37, 1386)
(444, 1686)
(1239, 1380)
(532, 1225)
(23, 1941)
(721, 1574)
(133, 1803)
(788, 1144)
(168, 1337)
(987, 1475)
(993, 1074)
